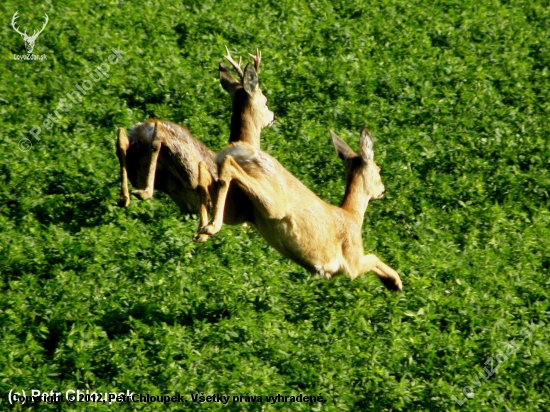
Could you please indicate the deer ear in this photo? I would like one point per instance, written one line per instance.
(343, 151)
(366, 145)
(250, 81)
(228, 82)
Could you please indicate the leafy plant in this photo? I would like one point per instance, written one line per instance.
(99, 298)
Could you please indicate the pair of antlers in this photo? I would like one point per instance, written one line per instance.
(35, 34)
(237, 66)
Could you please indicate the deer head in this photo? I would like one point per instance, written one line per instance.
(29, 40)
(250, 111)
(363, 174)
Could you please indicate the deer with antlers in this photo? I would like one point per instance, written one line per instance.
(162, 155)
(29, 40)
(320, 237)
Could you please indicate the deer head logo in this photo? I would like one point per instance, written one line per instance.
(29, 40)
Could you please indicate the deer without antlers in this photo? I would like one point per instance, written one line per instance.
(322, 238)
(161, 155)
(29, 40)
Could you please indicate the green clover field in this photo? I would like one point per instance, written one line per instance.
(97, 299)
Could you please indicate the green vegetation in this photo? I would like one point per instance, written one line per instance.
(456, 94)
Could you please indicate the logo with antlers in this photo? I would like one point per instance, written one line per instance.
(29, 40)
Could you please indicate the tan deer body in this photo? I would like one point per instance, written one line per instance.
(322, 238)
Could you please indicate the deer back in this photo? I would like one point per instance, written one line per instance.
(176, 171)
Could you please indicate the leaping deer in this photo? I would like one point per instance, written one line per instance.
(320, 237)
(161, 155)
(29, 40)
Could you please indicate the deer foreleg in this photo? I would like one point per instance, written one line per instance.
(227, 170)
(121, 147)
(156, 144)
(205, 182)
(389, 277)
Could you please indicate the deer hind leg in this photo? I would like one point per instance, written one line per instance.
(230, 170)
(205, 182)
(122, 145)
(389, 277)
(227, 171)
(265, 200)
(156, 144)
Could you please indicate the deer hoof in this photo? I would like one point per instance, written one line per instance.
(142, 194)
(399, 285)
(393, 284)
(200, 237)
(123, 201)
(209, 229)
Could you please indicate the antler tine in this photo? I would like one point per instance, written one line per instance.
(45, 23)
(36, 33)
(13, 21)
(257, 59)
(236, 66)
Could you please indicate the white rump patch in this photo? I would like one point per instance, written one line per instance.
(241, 153)
(247, 154)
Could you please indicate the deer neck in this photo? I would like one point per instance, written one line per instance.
(244, 130)
(355, 199)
